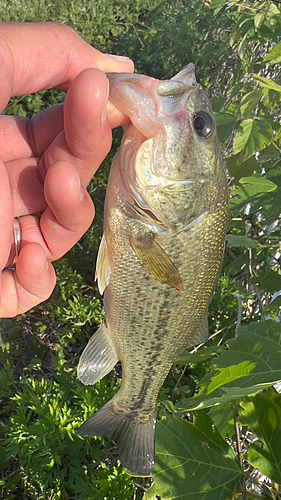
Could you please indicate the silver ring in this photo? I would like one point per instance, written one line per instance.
(17, 241)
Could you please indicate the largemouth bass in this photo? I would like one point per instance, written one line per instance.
(165, 219)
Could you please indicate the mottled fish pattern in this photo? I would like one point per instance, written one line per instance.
(160, 256)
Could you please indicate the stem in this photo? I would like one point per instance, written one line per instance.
(239, 447)
(239, 314)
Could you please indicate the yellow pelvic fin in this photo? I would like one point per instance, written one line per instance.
(156, 261)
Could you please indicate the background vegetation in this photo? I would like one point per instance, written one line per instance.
(219, 428)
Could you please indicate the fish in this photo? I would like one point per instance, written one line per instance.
(165, 217)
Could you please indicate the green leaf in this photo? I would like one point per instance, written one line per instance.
(258, 19)
(238, 170)
(217, 104)
(202, 354)
(263, 416)
(222, 417)
(255, 184)
(193, 461)
(249, 101)
(234, 240)
(267, 83)
(251, 363)
(267, 280)
(224, 122)
(274, 56)
(253, 135)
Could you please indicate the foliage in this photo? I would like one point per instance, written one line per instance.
(204, 454)
(219, 409)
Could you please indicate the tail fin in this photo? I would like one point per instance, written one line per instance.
(135, 441)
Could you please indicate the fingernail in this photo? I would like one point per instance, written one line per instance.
(103, 113)
(119, 58)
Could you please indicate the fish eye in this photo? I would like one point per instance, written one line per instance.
(203, 123)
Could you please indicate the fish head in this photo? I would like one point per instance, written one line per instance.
(171, 161)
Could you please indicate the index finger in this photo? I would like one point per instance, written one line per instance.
(39, 56)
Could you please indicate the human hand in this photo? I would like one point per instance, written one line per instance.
(46, 162)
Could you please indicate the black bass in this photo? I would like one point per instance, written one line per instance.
(160, 256)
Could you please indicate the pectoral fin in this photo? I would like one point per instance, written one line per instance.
(156, 261)
(102, 267)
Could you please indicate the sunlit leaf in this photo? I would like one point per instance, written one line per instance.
(263, 416)
(253, 135)
(258, 19)
(193, 461)
(254, 185)
(252, 363)
(249, 101)
(274, 56)
(234, 240)
(267, 83)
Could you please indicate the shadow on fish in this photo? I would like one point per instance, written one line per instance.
(165, 219)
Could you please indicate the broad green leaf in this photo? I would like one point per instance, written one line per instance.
(267, 83)
(224, 122)
(274, 56)
(254, 185)
(249, 101)
(238, 170)
(222, 417)
(217, 103)
(273, 11)
(263, 416)
(234, 240)
(192, 462)
(253, 135)
(202, 354)
(267, 280)
(258, 19)
(251, 363)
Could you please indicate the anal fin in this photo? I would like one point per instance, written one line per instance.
(98, 357)
(156, 261)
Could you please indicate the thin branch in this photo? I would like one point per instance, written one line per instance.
(239, 314)
(239, 447)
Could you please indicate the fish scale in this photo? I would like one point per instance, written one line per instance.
(165, 219)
